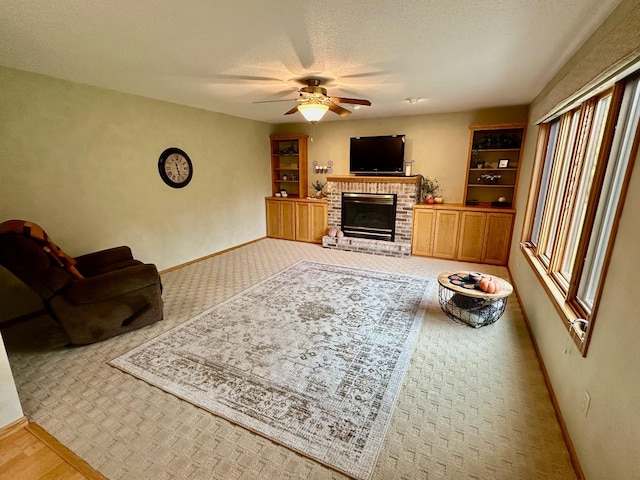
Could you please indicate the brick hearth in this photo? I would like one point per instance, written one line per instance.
(407, 190)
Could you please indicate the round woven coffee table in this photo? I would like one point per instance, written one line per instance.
(462, 300)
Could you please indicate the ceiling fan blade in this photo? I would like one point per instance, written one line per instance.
(234, 79)
(283, 100)
(353, 101)
(338, 109)
(293, 110)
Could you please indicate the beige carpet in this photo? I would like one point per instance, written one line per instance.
(312, 358)
(473, 404)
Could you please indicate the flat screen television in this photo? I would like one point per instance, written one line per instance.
(382, 155)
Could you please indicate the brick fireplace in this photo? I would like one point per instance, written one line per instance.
(406, 189)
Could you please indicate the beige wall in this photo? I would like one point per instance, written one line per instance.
(10, 409)
(607, 441)
(437, 143)
(82, 162)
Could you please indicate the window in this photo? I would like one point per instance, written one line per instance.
(584, 159)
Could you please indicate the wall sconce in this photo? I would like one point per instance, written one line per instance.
(328, 168)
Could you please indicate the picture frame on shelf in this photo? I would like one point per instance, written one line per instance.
(503, 163)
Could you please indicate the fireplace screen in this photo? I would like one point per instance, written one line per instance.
(369, 215)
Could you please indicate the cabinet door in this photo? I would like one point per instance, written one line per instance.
(497, 238)
(273, 219)
(423, 230)
(472, 226)
(280, 219)
(288, 220)
(446, 234)
(311, 221)
(303, 221)
(319, 221)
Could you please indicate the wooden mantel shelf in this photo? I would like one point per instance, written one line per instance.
(374, 179)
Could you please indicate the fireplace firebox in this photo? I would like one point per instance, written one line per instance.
(369, 215)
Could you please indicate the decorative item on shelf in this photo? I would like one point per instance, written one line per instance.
(283, 192)
(489, 178)
(318, 186)
(407, 168)
(290, 150)
(476, 161)
(489, 142)
(438, 199)
(284, 177)
(428, 189)
(503, 163)
(501, 202)
(277, 194)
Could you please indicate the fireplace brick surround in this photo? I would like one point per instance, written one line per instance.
(407, 190)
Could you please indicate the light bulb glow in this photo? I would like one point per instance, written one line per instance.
(313, 111)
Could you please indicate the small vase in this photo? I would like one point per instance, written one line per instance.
(319, 194)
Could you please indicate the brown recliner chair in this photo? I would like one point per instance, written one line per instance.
(93, 297)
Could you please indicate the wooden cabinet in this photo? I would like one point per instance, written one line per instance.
(281, 219)
(445, 237)
(311, 221)
(424, 222)
(304, 220)
(485, 237)
(289, 165)
(472, 231)
(457, 232)
(497, 238)
(494, 160)
(435, 233)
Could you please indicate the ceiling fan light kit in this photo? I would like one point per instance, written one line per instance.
(314, 102)
(313, 112)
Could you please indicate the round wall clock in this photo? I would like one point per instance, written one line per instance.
(175, 167)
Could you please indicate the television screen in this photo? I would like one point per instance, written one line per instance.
(383, 155)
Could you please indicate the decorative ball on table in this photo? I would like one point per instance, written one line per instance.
(489, 285)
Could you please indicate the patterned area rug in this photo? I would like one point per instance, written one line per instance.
(312, 358)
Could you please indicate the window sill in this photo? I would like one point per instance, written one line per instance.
(566, 312)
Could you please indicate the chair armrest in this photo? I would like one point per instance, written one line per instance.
(98, 260)
(111, 284)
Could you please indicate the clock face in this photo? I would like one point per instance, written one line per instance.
(175, 167)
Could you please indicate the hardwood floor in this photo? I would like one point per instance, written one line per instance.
(30, 453)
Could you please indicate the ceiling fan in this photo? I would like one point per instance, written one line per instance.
(314, 102)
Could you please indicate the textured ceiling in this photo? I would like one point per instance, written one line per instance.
(453, 55)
